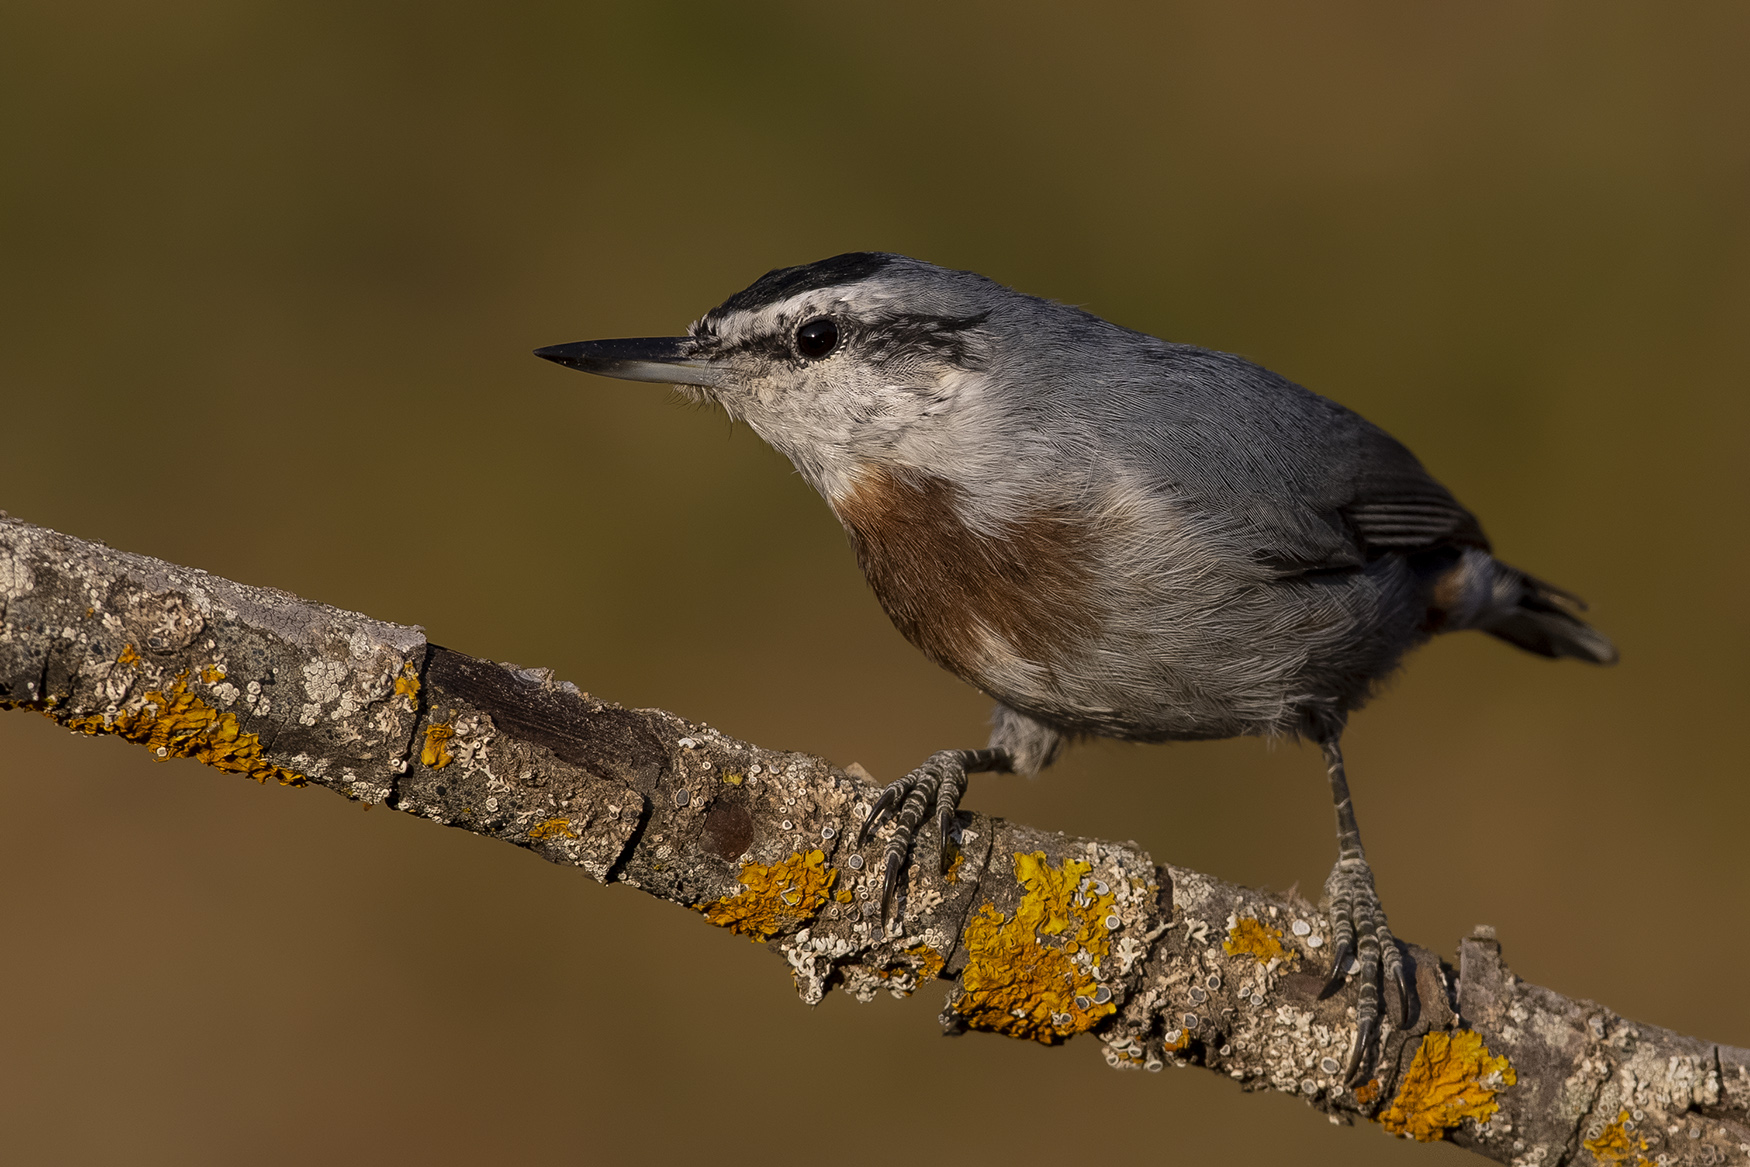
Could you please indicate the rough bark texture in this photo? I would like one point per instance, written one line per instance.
(1042, 935)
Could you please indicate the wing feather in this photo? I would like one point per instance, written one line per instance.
(1396, 505)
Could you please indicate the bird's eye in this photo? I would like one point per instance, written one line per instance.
(817, 338)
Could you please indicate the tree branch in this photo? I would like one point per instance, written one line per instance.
(1044, 935)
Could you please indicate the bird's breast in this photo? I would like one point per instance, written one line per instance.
(979, 603)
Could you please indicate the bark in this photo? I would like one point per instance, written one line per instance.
(1041, 935)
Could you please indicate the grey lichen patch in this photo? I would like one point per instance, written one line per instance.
(188, 664)
(159, 621)
(15, 577)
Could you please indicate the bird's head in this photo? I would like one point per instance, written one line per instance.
(861, 360)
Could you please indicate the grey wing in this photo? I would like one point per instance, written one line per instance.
(1393, 504)
(1306, 484)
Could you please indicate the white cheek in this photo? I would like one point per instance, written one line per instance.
(935, 427)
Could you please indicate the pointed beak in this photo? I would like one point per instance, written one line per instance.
(667, 360)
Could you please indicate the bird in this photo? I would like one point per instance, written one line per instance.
(1110, 534)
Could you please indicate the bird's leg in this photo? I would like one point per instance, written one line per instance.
(1359, 928)
(940, 780)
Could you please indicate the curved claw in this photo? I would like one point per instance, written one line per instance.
(1339, 969)
(890, 884)
(885, 805)
(1405, 993)
(944, 827)
(1365, 1032)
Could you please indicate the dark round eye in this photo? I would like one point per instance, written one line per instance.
(817, 337)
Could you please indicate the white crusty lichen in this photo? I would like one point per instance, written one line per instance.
(16, 579)
(812, 959)
(469, 744)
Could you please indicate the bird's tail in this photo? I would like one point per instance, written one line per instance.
(1479, 591)
(1541, 618)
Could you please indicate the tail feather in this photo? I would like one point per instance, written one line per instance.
(1540, 618)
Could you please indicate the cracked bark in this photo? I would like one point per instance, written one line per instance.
(1041, 935)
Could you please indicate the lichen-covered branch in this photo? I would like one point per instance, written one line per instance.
(1041, 935)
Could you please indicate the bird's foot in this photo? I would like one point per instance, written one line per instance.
(1359, 931)
(939, 782)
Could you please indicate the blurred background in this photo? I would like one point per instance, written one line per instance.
(271, 274)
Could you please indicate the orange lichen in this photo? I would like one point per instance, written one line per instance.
(923, 964)
(1251, 937)
(436, 753)
(407, 685)
(776, 897)
(1453, 1077)
(129, 656)
(1615, 1145)
(212, 674)
(929, 962)
(1023, 975)
(1367, 1091)
(552, 829)
(177, 724)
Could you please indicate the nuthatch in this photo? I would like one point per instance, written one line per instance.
(1110, 534)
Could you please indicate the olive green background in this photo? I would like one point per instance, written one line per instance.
(269, 278)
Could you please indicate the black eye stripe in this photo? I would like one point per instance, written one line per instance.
(817, 337)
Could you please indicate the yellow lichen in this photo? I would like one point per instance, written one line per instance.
(923, 963)
(1020, 978)
(1251, 937)
(128, 657)
(1615, 1145)
(776, 897)
(952, 875)
(177, 724)
(930, 962)
(552, 828)
(407, 685)
(436, 753)
(212, 674)
(1453, 1077)
(843, 895)
(735, 779)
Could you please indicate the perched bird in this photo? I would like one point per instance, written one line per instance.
(1110, 534)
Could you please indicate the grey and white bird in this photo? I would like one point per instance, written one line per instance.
(1110, 534)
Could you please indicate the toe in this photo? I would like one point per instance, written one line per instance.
(939, 782)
